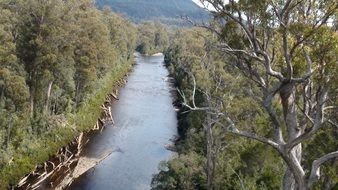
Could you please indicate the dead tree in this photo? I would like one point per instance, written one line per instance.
(270, 45)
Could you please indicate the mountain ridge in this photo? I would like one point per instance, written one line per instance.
(167, 11)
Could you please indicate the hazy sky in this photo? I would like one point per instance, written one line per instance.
(200, 4)
(197, 2)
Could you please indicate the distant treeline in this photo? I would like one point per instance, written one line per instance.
(153, 37)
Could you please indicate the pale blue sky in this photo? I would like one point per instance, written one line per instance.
(197, 2)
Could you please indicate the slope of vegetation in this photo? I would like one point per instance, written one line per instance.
(167, 11)
(258, 98)
(58, 60)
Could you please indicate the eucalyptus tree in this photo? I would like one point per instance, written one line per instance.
(52, 55)
(289, 50)
(123, 43)
(13, 90)
(192, 59)
(92, 49)
(44, 48)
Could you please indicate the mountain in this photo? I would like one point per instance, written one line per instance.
(168, 11)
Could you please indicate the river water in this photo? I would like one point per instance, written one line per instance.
(145, 121)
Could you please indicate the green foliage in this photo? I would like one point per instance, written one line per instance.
(245, 83)
(152, 38)
(325, 141)
(239, 163)
(89, 112)
(58, 61)
(183, 172)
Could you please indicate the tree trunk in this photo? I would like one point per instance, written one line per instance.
(293, 177)
(288, 180)
(49, 91)
(209, 154)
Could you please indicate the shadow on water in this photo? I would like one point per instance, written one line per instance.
(145, 121)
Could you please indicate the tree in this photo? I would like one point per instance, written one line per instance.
(228, 162)
(52, 55)
(122, 42)
(91, 61)
(13, 89)
(278, 46)
(44, 49)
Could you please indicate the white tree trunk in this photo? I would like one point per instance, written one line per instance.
(294, 176)
(49, 91)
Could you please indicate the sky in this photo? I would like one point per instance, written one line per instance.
(198, 2)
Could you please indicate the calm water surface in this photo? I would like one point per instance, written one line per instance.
(145, 121)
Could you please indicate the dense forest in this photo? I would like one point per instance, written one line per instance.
(58, 61)
(153, 37)
(258, 95)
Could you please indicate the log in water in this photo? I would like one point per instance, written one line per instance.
(145, 121)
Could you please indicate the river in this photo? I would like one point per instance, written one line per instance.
(145, 122)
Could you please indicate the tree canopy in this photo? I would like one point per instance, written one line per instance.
(264, 71)
(55, 57)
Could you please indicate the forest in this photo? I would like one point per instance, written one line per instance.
(58, 61)
(256, 88)
(258, 98)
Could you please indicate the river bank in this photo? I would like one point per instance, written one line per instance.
(127, 116)
(90, 119)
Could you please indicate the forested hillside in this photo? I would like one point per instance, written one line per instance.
(258, 98)
(167, 11)
(58, 61)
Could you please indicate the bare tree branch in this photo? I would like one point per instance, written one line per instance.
(318, 122)
(315, 170)
(231, 128)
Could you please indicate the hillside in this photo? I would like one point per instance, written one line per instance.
(168, 11)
